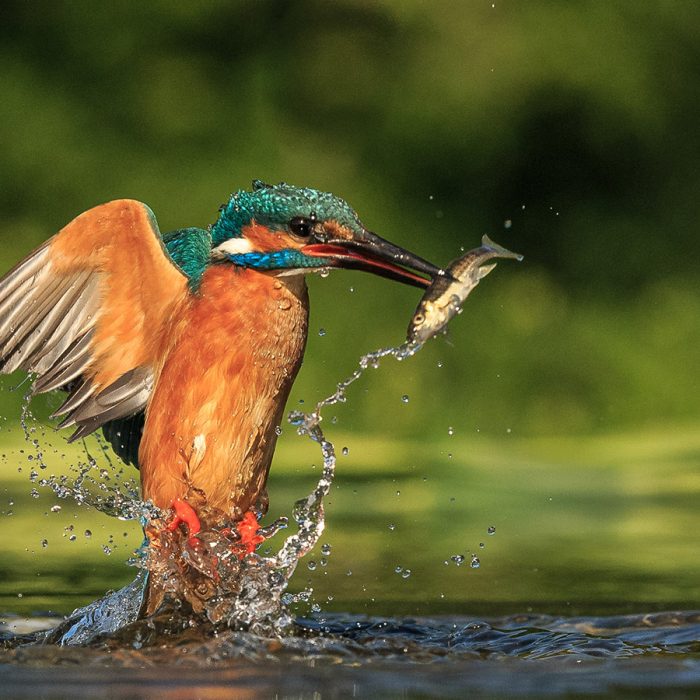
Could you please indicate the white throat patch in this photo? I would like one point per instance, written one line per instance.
(233, 246)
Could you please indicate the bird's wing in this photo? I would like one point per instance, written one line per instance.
(124, 435)
(86, 310)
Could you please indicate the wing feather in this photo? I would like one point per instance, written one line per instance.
(53, 344)
(124, 434)
(63, 365)
(39, 322)
(88, 309)
(23, 271)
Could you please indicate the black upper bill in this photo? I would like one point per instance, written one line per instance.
(376, 255)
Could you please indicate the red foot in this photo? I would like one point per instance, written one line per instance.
(248, 530)
(185, 513)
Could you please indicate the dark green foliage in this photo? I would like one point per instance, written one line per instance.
(576, 122)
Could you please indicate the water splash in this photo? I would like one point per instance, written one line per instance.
(209, 578)
(115, 494)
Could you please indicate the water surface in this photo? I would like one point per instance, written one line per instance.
(353, 656)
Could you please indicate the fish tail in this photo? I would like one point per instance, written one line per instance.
(499, 250)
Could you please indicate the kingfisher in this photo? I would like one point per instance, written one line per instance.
(182, 348)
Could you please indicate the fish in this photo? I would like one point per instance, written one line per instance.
(443, 299)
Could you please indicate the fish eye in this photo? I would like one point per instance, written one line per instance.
(302, 226)
(418, 319)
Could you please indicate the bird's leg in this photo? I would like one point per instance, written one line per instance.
(248, 530)
(185, 513)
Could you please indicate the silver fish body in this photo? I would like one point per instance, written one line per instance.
(444, 297)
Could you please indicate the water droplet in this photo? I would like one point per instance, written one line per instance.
(406, 573)
(475, 563)
(323, 561)
(345, 451)
(439, 364)
(44, 543)
(34, 493)
(352, 289)
(404, 398)
(72, 538)
(87, 533)
(481, 545)
(457, 559)
(107, 550)
(349, 572)
(322, 332)
(450, 431)
(325, 549)
(278, 430)
(398, 493)
(56, 509)
(491, 530)
(507, 223)
(392, 527)
(311, 565)
(398, 569)
(324, 272)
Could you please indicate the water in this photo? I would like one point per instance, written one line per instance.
(353, 656)
(314, 649)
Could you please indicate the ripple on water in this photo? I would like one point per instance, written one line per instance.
(332, 652)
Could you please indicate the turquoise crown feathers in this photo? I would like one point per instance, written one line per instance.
(274, 205)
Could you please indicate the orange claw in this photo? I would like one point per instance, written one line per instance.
(185, 513)
(248, 528)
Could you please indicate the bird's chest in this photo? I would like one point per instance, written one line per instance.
(226, 373)
(243, 335)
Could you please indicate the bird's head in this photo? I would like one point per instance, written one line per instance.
(292, 229)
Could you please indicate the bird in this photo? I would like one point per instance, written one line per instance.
(183, 347)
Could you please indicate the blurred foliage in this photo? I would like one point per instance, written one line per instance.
(576, 122)
(582, 525)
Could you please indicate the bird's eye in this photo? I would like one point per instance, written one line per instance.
(301, 226)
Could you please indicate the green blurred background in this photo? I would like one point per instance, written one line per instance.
(567, 131)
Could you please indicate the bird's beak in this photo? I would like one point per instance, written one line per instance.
(371, 253)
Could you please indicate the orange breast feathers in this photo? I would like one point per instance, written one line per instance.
(221, 389)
